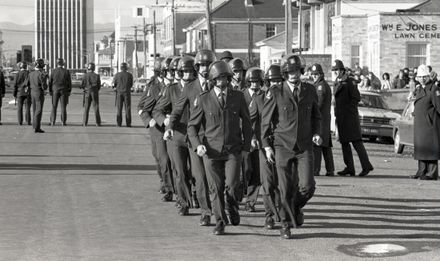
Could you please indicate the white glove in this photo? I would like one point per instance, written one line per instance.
(168, 135)
(166, 122)
(270, 155)
(140, 112)
(201, 150)
(317, 139)
(255, 145)
(152, 123)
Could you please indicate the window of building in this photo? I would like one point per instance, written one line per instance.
(355, 55)
(330, 14)
(415, 54)
(270, 30)
(307, 35)
(139, 11)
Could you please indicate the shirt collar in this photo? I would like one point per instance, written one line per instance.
(291, 86)
(217, 91)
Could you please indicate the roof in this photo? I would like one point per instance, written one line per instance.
(276, 41)
(255, 9)
(428, 6)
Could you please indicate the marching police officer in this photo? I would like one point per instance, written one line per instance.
(238, 72)
(158, 145)
(91, 84)
(324, 103)
(251, 168)
(347, 97)
(291, 113)
(180, 152)
(426, 126)
(202, 61)
(37, 81)
(2, 92)
(60, 87)
(273, 77)
(22, 94)
(219, 112)
(122, 82)
(180, 115)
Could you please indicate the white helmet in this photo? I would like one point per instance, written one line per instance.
(422, 70)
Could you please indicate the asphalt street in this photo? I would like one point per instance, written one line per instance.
(91, 193)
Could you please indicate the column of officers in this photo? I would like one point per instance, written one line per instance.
(30, 88)
(221, 131)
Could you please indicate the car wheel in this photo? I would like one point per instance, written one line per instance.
(398, 148)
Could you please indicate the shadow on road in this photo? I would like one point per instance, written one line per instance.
(121, 167)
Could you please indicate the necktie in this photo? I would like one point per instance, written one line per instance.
(295, 94)
(221, 99)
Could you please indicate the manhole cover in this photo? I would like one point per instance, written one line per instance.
(387, 249)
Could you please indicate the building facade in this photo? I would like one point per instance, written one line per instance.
(64, 29)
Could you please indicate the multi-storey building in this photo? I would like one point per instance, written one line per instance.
(64, 29)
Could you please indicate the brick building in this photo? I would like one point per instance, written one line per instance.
(237, 26)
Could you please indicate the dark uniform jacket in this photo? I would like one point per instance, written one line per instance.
(427, 123)
(293, 124)
(347, 97)
(254, 111)
(91, 82)
(20, 89)
(123, 81)
(37, 81)
(153, 93)
(2, 84)
(324, 104)
(223, 132)
(146, 93)
(167, 103)
(60, 80)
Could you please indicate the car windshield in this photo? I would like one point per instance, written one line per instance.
(372, 101)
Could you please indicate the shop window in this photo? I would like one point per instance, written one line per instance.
(355, 55)
(415, 54)
(270, 30)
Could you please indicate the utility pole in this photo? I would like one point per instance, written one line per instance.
(208, 23)
(174, 27)
(288, 26)
(135, 53)
(154, 31)
(117, 56)
(299, 26)
(145, 48)
(111, 59)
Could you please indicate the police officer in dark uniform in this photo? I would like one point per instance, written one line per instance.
(226, 56)
(37, 81)
(179, 147)
(22, 94)
(324, 103)
(219, 112)
(202, 61)
(2, 92)
(122, 82)
(347, 97)
(158, 145)
(238, 72)
(251, 164)
(426, 126)
(60, 87)
(91, 84)
(291, 113)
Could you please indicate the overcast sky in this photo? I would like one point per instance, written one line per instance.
(22, 11)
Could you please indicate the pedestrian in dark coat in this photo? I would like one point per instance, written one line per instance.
(324, 104)
(2, 92)
(347, 97)
(37, 82)
(60, 87)
(22, 94)
(123, 81)
(427, 126)
(91, 85)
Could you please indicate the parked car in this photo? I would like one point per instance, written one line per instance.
(140, 84)
(106, 81)
(374, 116)
(403, 130)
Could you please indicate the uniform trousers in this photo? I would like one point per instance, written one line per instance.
(26, 101)
(1, 98)
(362, 153)
(201, 183)
(123, 99)
(295, 181)
(89, 97)
(251, 174)
(269, 182)
(320, 152)
(223, 175)
(428, 168)
(37, 108)
(180, 154)
(61, 97)
(160, 154)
